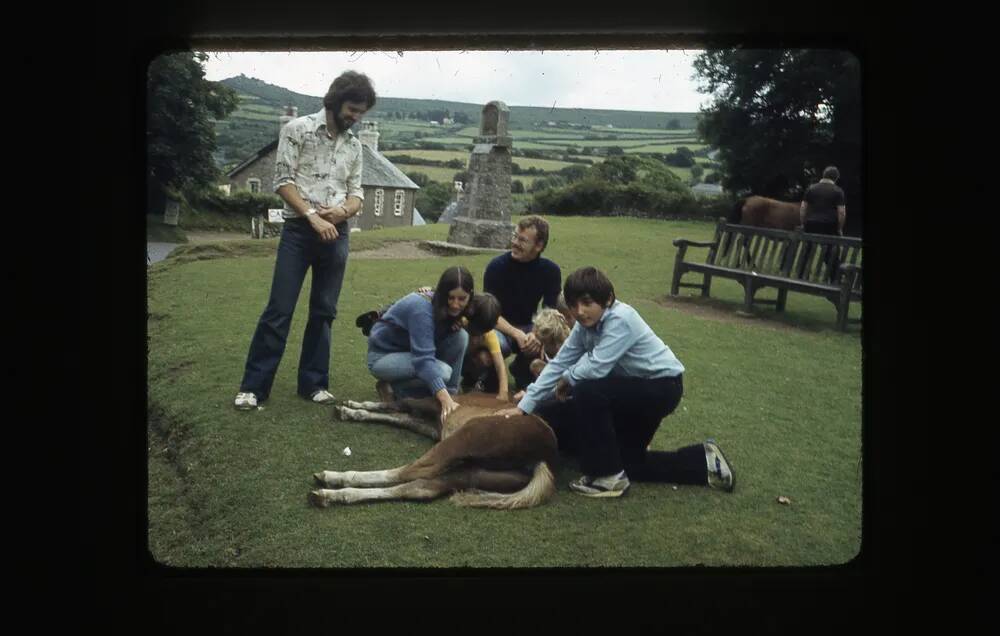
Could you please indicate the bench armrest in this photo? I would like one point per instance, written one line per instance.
(679, 242)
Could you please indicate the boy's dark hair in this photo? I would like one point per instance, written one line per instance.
(831, 173)
(483, 312)
(588, 281)
(541, 228)
(452, 278)
(349, 87)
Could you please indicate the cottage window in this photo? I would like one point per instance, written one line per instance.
(398, 203)
(379, 195)
(253, 185)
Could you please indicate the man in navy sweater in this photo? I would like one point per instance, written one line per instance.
(520, 279)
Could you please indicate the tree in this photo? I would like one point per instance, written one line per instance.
(180, 135)
(432, 199)
(779, 116)
(697, 171)
(418, 178)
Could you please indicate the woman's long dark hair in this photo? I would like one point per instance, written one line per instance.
(452, 278)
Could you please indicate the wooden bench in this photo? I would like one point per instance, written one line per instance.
(755, 257)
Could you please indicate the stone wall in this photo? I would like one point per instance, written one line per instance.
(489, 193)
(262, 169)
(367, 219)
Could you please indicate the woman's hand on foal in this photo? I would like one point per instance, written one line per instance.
(448, 406)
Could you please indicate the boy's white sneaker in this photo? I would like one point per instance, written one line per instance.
(246, 401)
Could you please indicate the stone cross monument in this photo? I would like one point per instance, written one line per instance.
(483, 216)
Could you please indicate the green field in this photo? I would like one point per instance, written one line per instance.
(227, 489)
(663, 148)
(445, 175)
(433, 155)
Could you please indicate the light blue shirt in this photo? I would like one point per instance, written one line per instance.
(620, 344)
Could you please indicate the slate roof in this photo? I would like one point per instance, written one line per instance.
(379, 171)
(254, 157)
(450, 212)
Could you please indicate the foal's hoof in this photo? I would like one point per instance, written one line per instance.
(317, 499)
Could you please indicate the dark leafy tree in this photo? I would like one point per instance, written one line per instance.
(778, 117)
(180, 134)
(432, 199)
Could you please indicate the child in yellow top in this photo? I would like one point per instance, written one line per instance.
(484, 348)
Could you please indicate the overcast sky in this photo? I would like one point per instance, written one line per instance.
(653, 80)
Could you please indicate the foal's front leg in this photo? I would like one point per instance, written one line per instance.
(401, 420)
(419, 489)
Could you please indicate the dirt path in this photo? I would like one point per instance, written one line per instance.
(196, 237)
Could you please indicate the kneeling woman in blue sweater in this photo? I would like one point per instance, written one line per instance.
(417, 346)
(614, 380)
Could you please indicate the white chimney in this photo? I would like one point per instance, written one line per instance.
(291, 112)
(369, 134)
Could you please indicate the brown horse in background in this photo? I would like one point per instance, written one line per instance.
(764, 212)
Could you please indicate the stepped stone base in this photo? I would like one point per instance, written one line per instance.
(443, 248)
(480, 233)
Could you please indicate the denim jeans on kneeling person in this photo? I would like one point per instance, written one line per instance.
(520, 367)
(299, 249)
(397, 367)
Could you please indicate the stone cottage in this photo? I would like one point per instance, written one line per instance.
(389, 194)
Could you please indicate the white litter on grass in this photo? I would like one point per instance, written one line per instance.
(260, 408)
(675, 487)
(347, 451)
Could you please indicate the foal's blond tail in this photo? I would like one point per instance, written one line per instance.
(540, 489)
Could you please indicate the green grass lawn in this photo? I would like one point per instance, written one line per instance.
(782, 395)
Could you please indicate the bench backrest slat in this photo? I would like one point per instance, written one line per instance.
(806, 257)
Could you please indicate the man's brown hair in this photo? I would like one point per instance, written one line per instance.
(351, 86)
(541, 228)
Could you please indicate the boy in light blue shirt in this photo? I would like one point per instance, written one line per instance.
(613, 381)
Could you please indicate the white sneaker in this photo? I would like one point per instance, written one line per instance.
(611, 486)
(323, 397)
(720, 473)
(246, 401)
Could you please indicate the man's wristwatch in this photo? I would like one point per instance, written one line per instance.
(311, 211)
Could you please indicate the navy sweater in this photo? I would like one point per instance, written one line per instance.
(520, 286)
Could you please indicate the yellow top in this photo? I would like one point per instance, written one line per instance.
(492, 343)
(489, 338)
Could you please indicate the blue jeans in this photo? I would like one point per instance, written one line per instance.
(298, 249)
(397, 367)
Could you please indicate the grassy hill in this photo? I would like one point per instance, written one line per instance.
(255, 123)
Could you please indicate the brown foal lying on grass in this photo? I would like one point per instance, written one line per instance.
(485, 460)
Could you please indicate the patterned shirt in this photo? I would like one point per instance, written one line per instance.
(325, 171)
(620, 344)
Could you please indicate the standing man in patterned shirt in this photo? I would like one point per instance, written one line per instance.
(317, 173)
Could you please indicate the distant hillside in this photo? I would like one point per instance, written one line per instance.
(255, 123)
